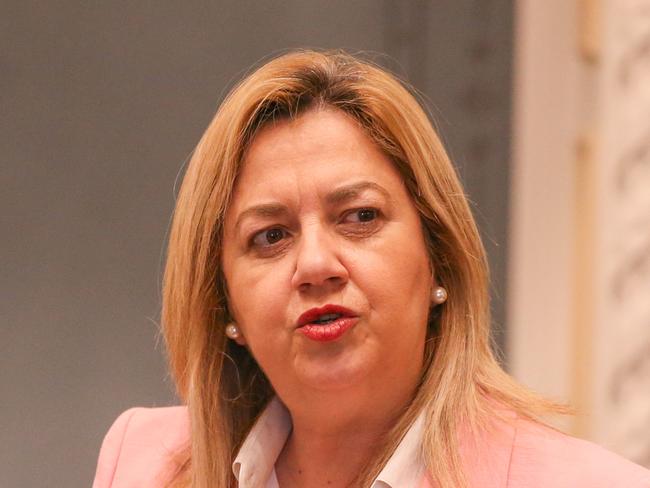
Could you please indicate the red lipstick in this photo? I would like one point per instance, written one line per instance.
(327, 323)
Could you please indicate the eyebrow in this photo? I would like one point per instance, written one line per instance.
(263, 210)
(336, 197)
(352, 191)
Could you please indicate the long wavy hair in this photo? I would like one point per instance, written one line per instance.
(223, 386)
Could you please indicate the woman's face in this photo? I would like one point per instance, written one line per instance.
(321, 226)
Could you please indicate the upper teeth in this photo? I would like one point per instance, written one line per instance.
(328, 316)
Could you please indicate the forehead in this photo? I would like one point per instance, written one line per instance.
(308, 156)
(327, 123)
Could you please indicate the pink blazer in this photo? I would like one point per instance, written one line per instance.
(138, 449)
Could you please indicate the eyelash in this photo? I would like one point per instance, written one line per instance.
(252, 242)
(362, 209)
(365, 224)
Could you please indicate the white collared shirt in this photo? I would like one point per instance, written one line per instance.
(254, 466)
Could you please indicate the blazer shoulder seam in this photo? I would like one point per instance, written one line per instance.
(129, 414)
(515, 426)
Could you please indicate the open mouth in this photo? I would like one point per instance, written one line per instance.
(324, 315)
(326, 323)
(327, 318)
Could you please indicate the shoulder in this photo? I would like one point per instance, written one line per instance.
(542, 456)
(140, 447)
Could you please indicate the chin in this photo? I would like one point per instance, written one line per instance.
(332, 373)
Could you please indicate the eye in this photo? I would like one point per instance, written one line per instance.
(268, 237)
(361, 215)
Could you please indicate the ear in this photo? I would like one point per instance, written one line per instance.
(240, 339)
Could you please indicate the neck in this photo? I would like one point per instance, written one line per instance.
(310, 461)
(332, 440)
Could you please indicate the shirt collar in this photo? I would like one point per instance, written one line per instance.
(405, 467)
(255, 461)
(256, 458)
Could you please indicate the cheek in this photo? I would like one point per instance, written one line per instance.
(396, 280)
(398, 265)
(258, 298)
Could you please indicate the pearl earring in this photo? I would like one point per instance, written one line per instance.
(439, 295)
(232, 331)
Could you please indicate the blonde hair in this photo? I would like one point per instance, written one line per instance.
(221, 383)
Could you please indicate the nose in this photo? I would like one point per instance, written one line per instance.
(318, 264)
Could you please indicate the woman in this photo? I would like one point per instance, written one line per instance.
(326, 311)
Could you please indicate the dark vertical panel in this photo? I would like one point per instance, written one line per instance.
(458, 54)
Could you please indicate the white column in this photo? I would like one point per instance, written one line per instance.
(545, 126)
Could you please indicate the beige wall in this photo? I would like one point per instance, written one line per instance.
(579, 296)
(543, 176)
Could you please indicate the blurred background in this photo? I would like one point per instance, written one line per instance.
(544, 107)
